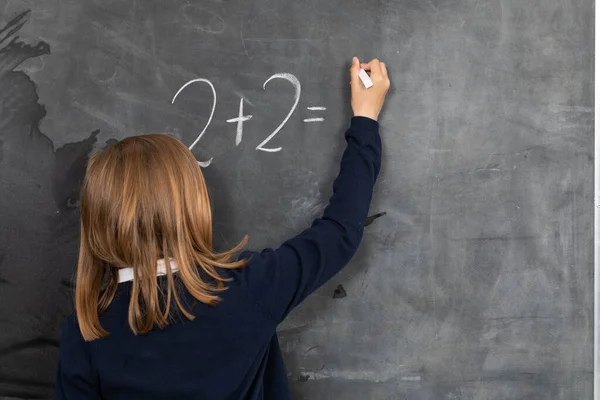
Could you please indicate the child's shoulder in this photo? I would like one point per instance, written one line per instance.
(70, 321)
(70, 329)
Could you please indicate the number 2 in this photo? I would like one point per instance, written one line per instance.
(296, 83)
(214, 105)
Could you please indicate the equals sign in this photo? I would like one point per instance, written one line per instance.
(315, 119)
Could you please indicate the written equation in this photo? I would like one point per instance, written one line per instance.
(242, 118)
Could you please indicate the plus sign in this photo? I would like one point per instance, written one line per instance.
(240, 119)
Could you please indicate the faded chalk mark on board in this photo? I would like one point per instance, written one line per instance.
(13, 26)
(373, 217)
(2, 257)
(312, 348)
(37, 343)
(68, 284)
(339, 292)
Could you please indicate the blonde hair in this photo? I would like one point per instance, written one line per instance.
(143, 199)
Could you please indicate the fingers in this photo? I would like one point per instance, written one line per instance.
(375, 68)
(354, 69)
(372, 66)
(384, 70)
(367, 66)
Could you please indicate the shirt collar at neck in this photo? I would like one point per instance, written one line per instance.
(126, 274)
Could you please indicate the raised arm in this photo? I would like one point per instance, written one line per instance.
(280, 279)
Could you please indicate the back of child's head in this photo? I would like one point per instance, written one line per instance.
(144, 199)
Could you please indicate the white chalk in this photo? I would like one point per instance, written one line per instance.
(365, 78)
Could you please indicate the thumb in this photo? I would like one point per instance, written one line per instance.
(354, 79)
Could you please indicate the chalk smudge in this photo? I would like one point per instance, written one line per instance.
(370, 219)
(339, 292)
(38, 222)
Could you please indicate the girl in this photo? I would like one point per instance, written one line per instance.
(205, 327)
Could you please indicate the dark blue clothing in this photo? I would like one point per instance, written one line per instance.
(229, 351)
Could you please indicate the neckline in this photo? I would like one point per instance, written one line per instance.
(126, 274)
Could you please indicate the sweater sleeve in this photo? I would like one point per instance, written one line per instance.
(75, 379)
(279, 279)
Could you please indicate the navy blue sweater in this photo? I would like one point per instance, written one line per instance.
(229, 351)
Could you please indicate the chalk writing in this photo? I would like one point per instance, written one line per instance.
(315, 108)
(296, 83)
(212, 112)
(313, 119)
(241, 117)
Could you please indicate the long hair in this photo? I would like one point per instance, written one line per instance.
(144, 199)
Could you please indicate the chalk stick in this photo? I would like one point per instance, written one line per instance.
(365, 78)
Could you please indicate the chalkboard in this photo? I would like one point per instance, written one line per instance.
(477, 282)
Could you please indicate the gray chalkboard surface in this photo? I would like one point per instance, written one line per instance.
(477, 283)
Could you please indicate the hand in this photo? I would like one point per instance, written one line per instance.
(368, 102)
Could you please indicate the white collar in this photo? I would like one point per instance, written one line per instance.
(126, 274)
